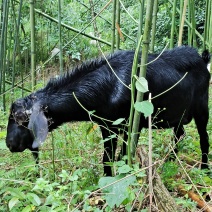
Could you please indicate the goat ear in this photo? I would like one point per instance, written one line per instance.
(38, 124)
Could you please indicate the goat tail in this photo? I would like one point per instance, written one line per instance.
(206, 56)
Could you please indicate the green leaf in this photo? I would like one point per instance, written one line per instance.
(120, 163)
(73, 178)
(142, 85)
(13, 202)
(124, 169)
(16, 193)
(34, 199)
(144, 107)
(117, 192)
(118, 121)
(28, 208)
(108, 138)
(3, 134)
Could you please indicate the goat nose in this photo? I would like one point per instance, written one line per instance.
(9, 146)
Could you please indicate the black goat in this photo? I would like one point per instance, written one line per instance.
(98, 89)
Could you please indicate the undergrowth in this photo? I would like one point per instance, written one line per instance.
(70, 177)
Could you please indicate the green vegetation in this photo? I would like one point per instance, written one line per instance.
(69, 176)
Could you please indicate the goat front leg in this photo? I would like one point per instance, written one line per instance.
(179, 134)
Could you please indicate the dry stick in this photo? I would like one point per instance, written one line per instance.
(150, 158)
(96, 33)
(128, 12)
(162, 196)
(111, 184)
(186, 173)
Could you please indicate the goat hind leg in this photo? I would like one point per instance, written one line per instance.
(201, 120)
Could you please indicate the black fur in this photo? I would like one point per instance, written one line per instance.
(98, 89)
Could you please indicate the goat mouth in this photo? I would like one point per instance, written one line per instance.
(17, 149)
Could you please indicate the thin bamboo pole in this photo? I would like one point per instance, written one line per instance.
(193, 22)
(173, 24)
(189, 24)
(182, 23)
(107, 21)
(5, 11)
(113, 26)
(210, 28)
(16, 40)
(60, 37)
(141, 17)
(143, 66)
(206, 23)
(118, 24)
(154, 18)
(189, 19)
(72, 28)
(32, 24)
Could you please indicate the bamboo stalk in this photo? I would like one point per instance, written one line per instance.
(141, 17)
(16, 40)
(182, 23)
(173, 24)
(193, 22)
(206, 24)
(96, 33)
(189, 24)
(32, 24)
(18, 86)
(72, 28)
(5, 11)
(143, 66)
(126, 35)
(154, 18)
(113, 26)
(117, 23)
(60, 37)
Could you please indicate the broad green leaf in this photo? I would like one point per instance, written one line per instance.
(118, 121)
(144, 107)
(16, 193)
(119, 163)
(117, 192)
(34, 199)
(13, 202)
(28, 208)
(73, 178)
(124, 169)
(142, 85)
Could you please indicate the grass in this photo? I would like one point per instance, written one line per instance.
(70, 168)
